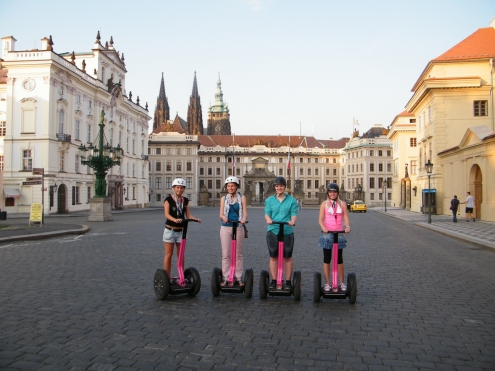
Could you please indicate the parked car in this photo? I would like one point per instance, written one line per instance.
(358, 206)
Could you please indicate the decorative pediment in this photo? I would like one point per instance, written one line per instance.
(90, 117)
(474, 135)
(62, 102)
(29, 99)
(64, 77)
(78, 113)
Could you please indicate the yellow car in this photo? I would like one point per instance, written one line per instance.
(358, 206)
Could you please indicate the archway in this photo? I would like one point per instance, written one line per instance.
(476, 184)
(62, 199)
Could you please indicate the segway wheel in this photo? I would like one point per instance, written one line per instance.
(161, 284)
(263, 284)
(216, 276)
(352, 287)
(317, 287)
(248, 283)
(192, 275)
(296, 279)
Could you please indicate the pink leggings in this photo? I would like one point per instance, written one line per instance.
(226, 241)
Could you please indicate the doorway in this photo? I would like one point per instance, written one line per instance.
(62, 199)
(478, 190)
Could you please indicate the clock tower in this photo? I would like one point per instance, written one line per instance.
(218, 114)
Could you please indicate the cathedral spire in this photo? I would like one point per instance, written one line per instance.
(162, 89)
(195, 87)
(162, 110)
(194, 113)
(218, 114)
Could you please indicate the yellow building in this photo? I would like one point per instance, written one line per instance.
(453, 107)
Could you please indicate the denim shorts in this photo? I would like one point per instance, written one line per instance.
(326, 241)
(171, 236)
(272, 242)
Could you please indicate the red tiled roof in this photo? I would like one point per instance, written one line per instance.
(479, 45)
(271, 141)
(3, 76)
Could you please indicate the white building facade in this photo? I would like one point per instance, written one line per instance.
(53, 104)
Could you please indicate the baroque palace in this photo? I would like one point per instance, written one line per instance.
(205, 157)
(50, 104)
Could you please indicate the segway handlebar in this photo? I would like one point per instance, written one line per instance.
(334, 232)
(236, 221)
(281, 223)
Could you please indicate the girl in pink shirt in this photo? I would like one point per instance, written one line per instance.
(333, 217)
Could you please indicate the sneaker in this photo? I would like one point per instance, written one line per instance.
(241, 283)
(272, 285)
(343, 287)
(327, 288)
(288, 285)
(223, 283)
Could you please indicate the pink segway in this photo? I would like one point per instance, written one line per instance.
(232, 284)
(265, 276)
(188, 281)
(336, 292)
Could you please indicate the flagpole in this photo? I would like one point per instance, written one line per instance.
(288, 167)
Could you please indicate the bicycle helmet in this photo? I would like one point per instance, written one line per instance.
(232, 179)
(178, 182)
(333, 187)
(279, 180)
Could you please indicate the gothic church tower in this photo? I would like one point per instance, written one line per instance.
(162, 110)
(218, 114)
(194, 115)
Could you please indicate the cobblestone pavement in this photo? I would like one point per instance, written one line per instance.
(425, 302)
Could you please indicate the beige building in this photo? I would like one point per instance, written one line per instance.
(453, 106)
(367, 171)
(402, 134)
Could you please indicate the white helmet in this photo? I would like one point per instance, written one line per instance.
(179, 182)
(232, 179)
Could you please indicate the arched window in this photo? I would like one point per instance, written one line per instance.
(61, 121)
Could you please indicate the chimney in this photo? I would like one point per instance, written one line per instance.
(44, 43)
(8, 45)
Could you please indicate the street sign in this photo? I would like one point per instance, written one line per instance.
(39, 169)
(38, 172)
(32, 182)
(43, 189)
(36, 178)
(50, 175)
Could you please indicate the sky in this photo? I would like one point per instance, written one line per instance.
(287, 67)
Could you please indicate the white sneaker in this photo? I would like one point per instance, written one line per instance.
(343, 287)
(327, 288)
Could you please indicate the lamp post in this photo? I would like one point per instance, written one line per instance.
(429, 169)
(385, 195)
(100, 156)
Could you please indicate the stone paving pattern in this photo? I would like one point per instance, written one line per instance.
(425, 302)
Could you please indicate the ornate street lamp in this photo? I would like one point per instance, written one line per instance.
(385, 195)
(100, 157)
(429, 169)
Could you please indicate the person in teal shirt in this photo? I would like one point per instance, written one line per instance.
(280, 207)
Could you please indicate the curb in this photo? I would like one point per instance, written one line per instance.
(39, 236)
(458, 236)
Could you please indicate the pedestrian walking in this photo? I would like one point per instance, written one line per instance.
(454, 205)
(469, 207)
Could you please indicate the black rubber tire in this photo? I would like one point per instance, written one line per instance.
(161, 284)
(248, 283)
(192, 275)
(263, 284)
(352, 287)
(317, 287)
(216, 278)
(296, 289)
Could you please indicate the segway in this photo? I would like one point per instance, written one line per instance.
(232, 284)
(335, 292)
(265, 276)
(188, 282)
